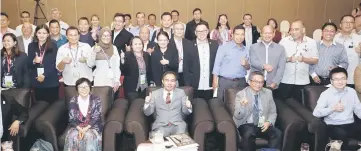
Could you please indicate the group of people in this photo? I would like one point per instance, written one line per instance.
(179, 54)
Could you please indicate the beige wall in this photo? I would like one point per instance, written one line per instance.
(312, 12)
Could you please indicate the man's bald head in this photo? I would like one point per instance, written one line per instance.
(27, 29)
(297, 30)
(268, 28)
(144, 33)
(267, 33)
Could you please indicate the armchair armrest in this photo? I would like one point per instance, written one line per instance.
(34, 111)
(224, 123)
(114, 123)
(53, 122)
(136, 122)
(290, 123)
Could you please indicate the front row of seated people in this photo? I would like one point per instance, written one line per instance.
(254, 112)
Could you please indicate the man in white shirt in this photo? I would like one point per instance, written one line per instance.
(56, 14)
(140, 23)
(75, 59)
(301, 52)
(5, 27)
(26, 38)
(352, 44)
(24, 17)
(169, 115)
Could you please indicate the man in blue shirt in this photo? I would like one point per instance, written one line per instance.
(231, 64)
(337, 106)
(55, 34)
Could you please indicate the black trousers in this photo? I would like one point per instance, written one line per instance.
(132, 95)
(180, 79)
(204, 94)
(249, 133)
(324, 81)
(340, 132)
(49, 95)
(285, 91)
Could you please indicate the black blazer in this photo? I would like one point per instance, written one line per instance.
(157, 68)
(156, 32)
(130, 69)
(122, 38)
(192, 64)
(49, 65)
(10, 108)
(187, 47)
(190, 28)
(255, 35)
(21, 70)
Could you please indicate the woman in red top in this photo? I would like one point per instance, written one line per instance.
(278, 35)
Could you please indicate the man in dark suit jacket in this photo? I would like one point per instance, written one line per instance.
(191, 26)
(249, 39)
(166, 21)
(120, 36)
(183, 46)
(199, 63)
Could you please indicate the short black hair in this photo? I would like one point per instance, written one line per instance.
(338, 70)
(24, 12)
(329, 24)
(72, 28)
(274, 20)
(54, 21)
(169, 72)
(247, 15)
(254, 73)
(197, 9)
(166, 14)
(162, 32)
(128, 15)
(119, 15)
(152, 15)
(83, 18)
(4, 14)
(238, 27)
(136, 15)
(175, 11)
(344, 16)
(82, 80)
(202, 23)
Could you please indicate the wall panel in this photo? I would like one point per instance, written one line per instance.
(234, 11)
(67, 8)
(260, 10)
(335, 12)
(86, 10)
(116, 6)
(11, 8)
(181, 6)
(284, 9)
(208, 10)
(311, 12)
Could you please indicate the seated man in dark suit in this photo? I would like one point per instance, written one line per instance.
(255, 114)
(169, 105)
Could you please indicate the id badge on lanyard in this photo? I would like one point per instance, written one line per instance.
(40, 70)
(142, 79)
(8, 77)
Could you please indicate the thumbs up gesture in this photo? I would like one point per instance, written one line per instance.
(150, 50)
(164, 61)
(148, 98)
(37, 58)
(127, 47)
(188, 103)
(67, 59)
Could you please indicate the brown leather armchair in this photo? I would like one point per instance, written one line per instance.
(315, 133)
(287, 121)
(200, 122)
(53, 124)
(27, 134)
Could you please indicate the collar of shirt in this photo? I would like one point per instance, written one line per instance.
(165, 93)
(80, 44)
(333, 42)
(30, 38)
(335, 91)
(80, 99)
(304, 39)
(201, 43)
(267, 45)
(234, 45)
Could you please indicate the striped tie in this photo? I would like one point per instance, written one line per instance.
(255, 110)
(167, 99)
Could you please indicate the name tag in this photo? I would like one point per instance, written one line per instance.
(142, 79)
(261, 121)
(110, 74)
(40, 71)
(9, 81)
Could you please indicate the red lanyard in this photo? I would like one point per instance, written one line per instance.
(9, 62)
(42, 52)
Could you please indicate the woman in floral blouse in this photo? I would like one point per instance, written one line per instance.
(85, 120)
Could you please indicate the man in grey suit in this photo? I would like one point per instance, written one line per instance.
(255, 114)
(168, 104)
(268, 57)
(26, 38)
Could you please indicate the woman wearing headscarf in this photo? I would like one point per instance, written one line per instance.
(107, 61)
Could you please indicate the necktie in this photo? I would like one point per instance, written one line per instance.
(255, 110)
(167, 99)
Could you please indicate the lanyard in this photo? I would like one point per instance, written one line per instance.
(106, 56)
(76, 55)
(8, 59)
(42, 52)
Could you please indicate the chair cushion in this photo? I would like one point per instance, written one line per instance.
(229, 97)
(105, 94)
(187, 90)
(311, 95)
(20, 95)
(61, 138)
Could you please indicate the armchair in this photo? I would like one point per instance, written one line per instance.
(53, 124)
(287, 121)
(199, 122)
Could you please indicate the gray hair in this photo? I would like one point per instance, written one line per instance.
(254, 73)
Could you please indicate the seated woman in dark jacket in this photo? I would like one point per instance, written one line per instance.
(41, 59)
(136, 69)
(13, 75)
(85, 120)
(163, 58)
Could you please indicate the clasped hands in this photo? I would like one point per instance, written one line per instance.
(148, 100)
(266, 124)
(82, 131)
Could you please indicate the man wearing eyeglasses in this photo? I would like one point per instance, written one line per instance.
(255, 114)
(301, 52)
(331, 55)
(337, 106)
(352, 45)
(231, 64)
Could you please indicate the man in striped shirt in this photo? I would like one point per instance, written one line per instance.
(331, 55)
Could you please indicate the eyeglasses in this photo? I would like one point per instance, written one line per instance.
(348, 22)
(167, 80)
(258, 82)
(83, 87)
(339, 80)
(201, 31)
